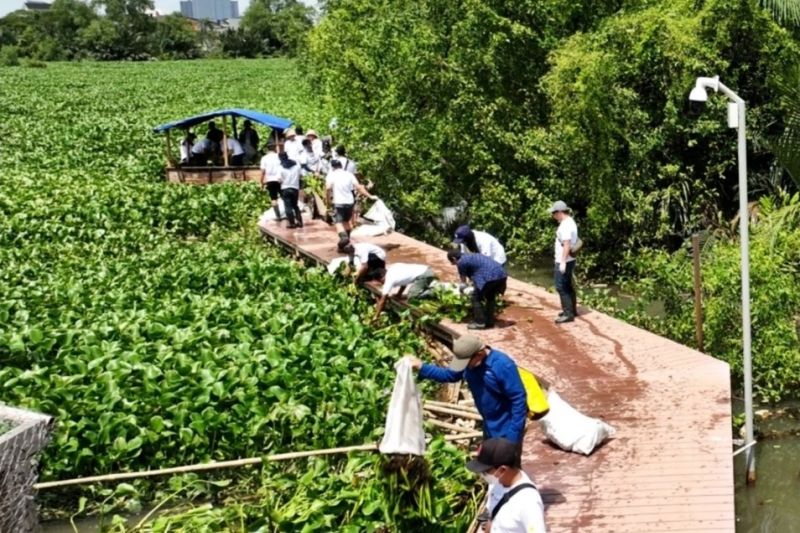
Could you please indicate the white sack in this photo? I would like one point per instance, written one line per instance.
(336, 262)
(404, 433)
(269, 214)
(570, 430)
(370, 230)
(381, 215)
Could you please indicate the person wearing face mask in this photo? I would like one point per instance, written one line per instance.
(514, 505)
(494, 382)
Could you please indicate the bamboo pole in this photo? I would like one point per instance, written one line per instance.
(454, 412)
(168, 149)
(451, 427)
(462, 407)
(225, 140)
(250, 461)
(698, 295)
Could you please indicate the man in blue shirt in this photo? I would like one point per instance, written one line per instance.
(489, 278)
(494, 382)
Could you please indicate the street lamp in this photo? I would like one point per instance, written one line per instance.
(736, 119)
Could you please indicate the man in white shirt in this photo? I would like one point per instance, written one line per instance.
(419, 277)
(292, 145)
(316, 143)
(566, 239)
(271, 176)
(202, 151)
(480, 242)
(186, 147)
(514, 505)
(347, 163)
(371, 260)
(341, 187)
(235, 152)
(290, 190)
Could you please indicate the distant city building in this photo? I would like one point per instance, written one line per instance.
(186, 9)
(216, 10)
(41, 6)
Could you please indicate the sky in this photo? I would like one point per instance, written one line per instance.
(168, 6)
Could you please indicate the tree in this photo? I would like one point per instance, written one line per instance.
(277, 25)
(175, 39)
(132, 25)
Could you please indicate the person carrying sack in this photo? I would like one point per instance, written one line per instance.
(514, 504)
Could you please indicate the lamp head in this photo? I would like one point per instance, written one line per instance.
(698, 94)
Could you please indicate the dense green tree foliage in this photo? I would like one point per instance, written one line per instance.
(510, 105)
(125, 29)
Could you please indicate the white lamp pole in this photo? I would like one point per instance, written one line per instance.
(736, 119)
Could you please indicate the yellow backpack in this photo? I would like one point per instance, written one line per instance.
(537, 399)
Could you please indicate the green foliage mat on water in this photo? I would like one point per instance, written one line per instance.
(148, 317)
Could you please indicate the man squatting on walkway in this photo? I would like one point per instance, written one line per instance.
(494, 382)
(566, 239)
(341, 186)
(489, 278)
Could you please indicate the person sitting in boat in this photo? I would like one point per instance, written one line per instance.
(249, 140)
(202, 151)
(186, 147)
(235, 152)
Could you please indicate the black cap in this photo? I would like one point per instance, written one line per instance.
(494, 453)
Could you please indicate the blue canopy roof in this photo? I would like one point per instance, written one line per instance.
(272, 121)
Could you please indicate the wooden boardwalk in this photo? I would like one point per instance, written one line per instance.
(669, 468)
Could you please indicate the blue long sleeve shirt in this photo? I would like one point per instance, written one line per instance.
(498, 392)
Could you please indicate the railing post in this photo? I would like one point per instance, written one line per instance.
(698, 287)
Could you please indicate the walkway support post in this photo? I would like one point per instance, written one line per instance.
(698, 297)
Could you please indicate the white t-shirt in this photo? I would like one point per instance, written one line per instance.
(234, 147)
(567, 230)
(309, 159)
(522, 513)
(293, 147)
(400, 275)
(347, 164)
(316, 146)
(488, 246)
(186, 148)
(290, 177)
(343, 185)
(363, 249)
(271, 165)
(203, 146)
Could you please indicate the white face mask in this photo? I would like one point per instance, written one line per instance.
(490, 479)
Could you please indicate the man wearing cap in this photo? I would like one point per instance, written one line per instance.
(566, 239)
(494, 382)
(514, 505)
(292, 145)
(480, 242)
(489, 278)
(316, 143)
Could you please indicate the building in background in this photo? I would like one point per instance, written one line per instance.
(215, 10)
(186, 9)
(44, 6)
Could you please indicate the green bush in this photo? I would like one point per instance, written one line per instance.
(666, 279)
(9, 56)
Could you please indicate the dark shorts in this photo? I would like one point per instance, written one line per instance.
(343, 213)
(274, 189)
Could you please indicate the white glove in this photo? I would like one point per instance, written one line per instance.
(462, 287)
(562, 267)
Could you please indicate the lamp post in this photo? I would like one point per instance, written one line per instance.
(736, 119)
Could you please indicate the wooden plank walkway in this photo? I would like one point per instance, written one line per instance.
(669, 468)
